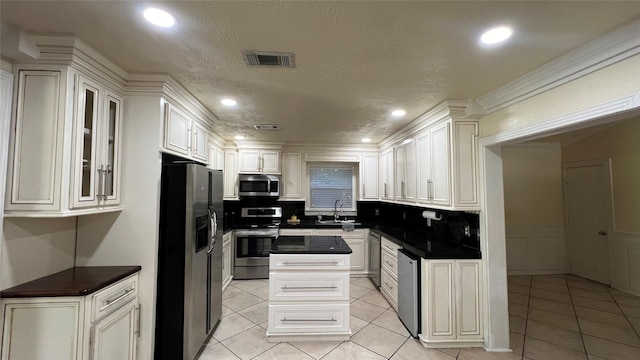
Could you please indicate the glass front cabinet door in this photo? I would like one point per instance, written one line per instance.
(97, 146)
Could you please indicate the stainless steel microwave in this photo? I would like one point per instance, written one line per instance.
(258, 185)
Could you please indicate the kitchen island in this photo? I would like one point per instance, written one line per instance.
(309, 289)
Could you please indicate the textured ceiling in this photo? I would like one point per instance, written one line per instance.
(355, 61)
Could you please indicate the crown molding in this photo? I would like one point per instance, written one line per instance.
(601, 114)
(603, 51)
(445, 109)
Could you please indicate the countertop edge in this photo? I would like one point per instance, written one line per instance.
(38, 287)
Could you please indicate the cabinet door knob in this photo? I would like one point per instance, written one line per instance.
(602, 233)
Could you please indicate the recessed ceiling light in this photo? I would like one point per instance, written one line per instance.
(228, 102)
(239, 137)
(496, 35)
(159, 17)
(398, 113)
(366, 140)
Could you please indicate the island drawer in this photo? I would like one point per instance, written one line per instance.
(312, 318)
(114, 297)
(316, 262)
(309, 286)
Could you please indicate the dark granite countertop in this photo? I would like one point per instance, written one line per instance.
(310, 245)
(77, 281)
(425, 245)
(311, 224)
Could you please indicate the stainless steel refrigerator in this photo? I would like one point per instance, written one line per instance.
(189, 283)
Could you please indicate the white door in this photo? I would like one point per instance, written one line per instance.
(587, 198)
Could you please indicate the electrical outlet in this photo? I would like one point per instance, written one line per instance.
(467, 231)
(377, 212)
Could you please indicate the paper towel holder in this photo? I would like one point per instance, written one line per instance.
(431, 215)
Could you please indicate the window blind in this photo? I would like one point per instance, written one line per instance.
(329, 184)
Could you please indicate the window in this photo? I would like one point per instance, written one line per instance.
(328, 183)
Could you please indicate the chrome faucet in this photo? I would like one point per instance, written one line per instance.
(335, 210)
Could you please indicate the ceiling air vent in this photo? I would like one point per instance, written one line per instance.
(258, 58)
(266, 127)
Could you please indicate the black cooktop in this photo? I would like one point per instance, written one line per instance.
(310, 244)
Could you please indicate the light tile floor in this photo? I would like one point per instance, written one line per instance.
(551, 317)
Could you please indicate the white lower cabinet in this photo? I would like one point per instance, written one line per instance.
(451, 303)
(114, 337)
(308, 297)
(227, 259)
(389, 271)
(100, 326)
(356, 241)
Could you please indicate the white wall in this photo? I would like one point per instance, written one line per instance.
(533, 209)
(33, 248)
(621, 144)
(131, 237)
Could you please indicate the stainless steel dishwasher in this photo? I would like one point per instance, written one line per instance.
(374, 259)
(409, 291)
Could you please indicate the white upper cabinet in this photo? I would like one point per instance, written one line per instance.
(259, 161)
(369, 176)
(64, 155)
(96, 149)
(230, 174)
(447, 165)
(184, 135)
(216, 157)
(405, 172)
(434, 159)
(291, 177)
(386, 174)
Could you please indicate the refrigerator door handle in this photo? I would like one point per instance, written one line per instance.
(214, 227)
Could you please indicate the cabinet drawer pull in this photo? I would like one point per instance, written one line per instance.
(388, 263)
(307, 287)
(389, 286)
(302, 263)
(323, 320)
(125, 293)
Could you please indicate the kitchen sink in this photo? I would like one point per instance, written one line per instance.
(336, 222)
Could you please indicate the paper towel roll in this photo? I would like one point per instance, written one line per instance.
(431, 215)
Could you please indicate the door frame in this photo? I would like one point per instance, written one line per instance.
(492, 220)
(608, 199)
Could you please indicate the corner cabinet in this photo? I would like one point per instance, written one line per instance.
(386, 174)
(369, 176)
(184, 135)
(451, 303)
(405, 171)
(65, 144)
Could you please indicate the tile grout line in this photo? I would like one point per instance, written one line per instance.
(573, 306)
(526, 319)
(623, 313)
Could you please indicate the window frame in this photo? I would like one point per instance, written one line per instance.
(350, 210)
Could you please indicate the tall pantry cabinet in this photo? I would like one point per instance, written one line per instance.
(64, 154)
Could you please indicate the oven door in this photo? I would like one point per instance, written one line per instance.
(253, 246)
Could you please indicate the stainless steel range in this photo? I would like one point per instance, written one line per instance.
(257, 230)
